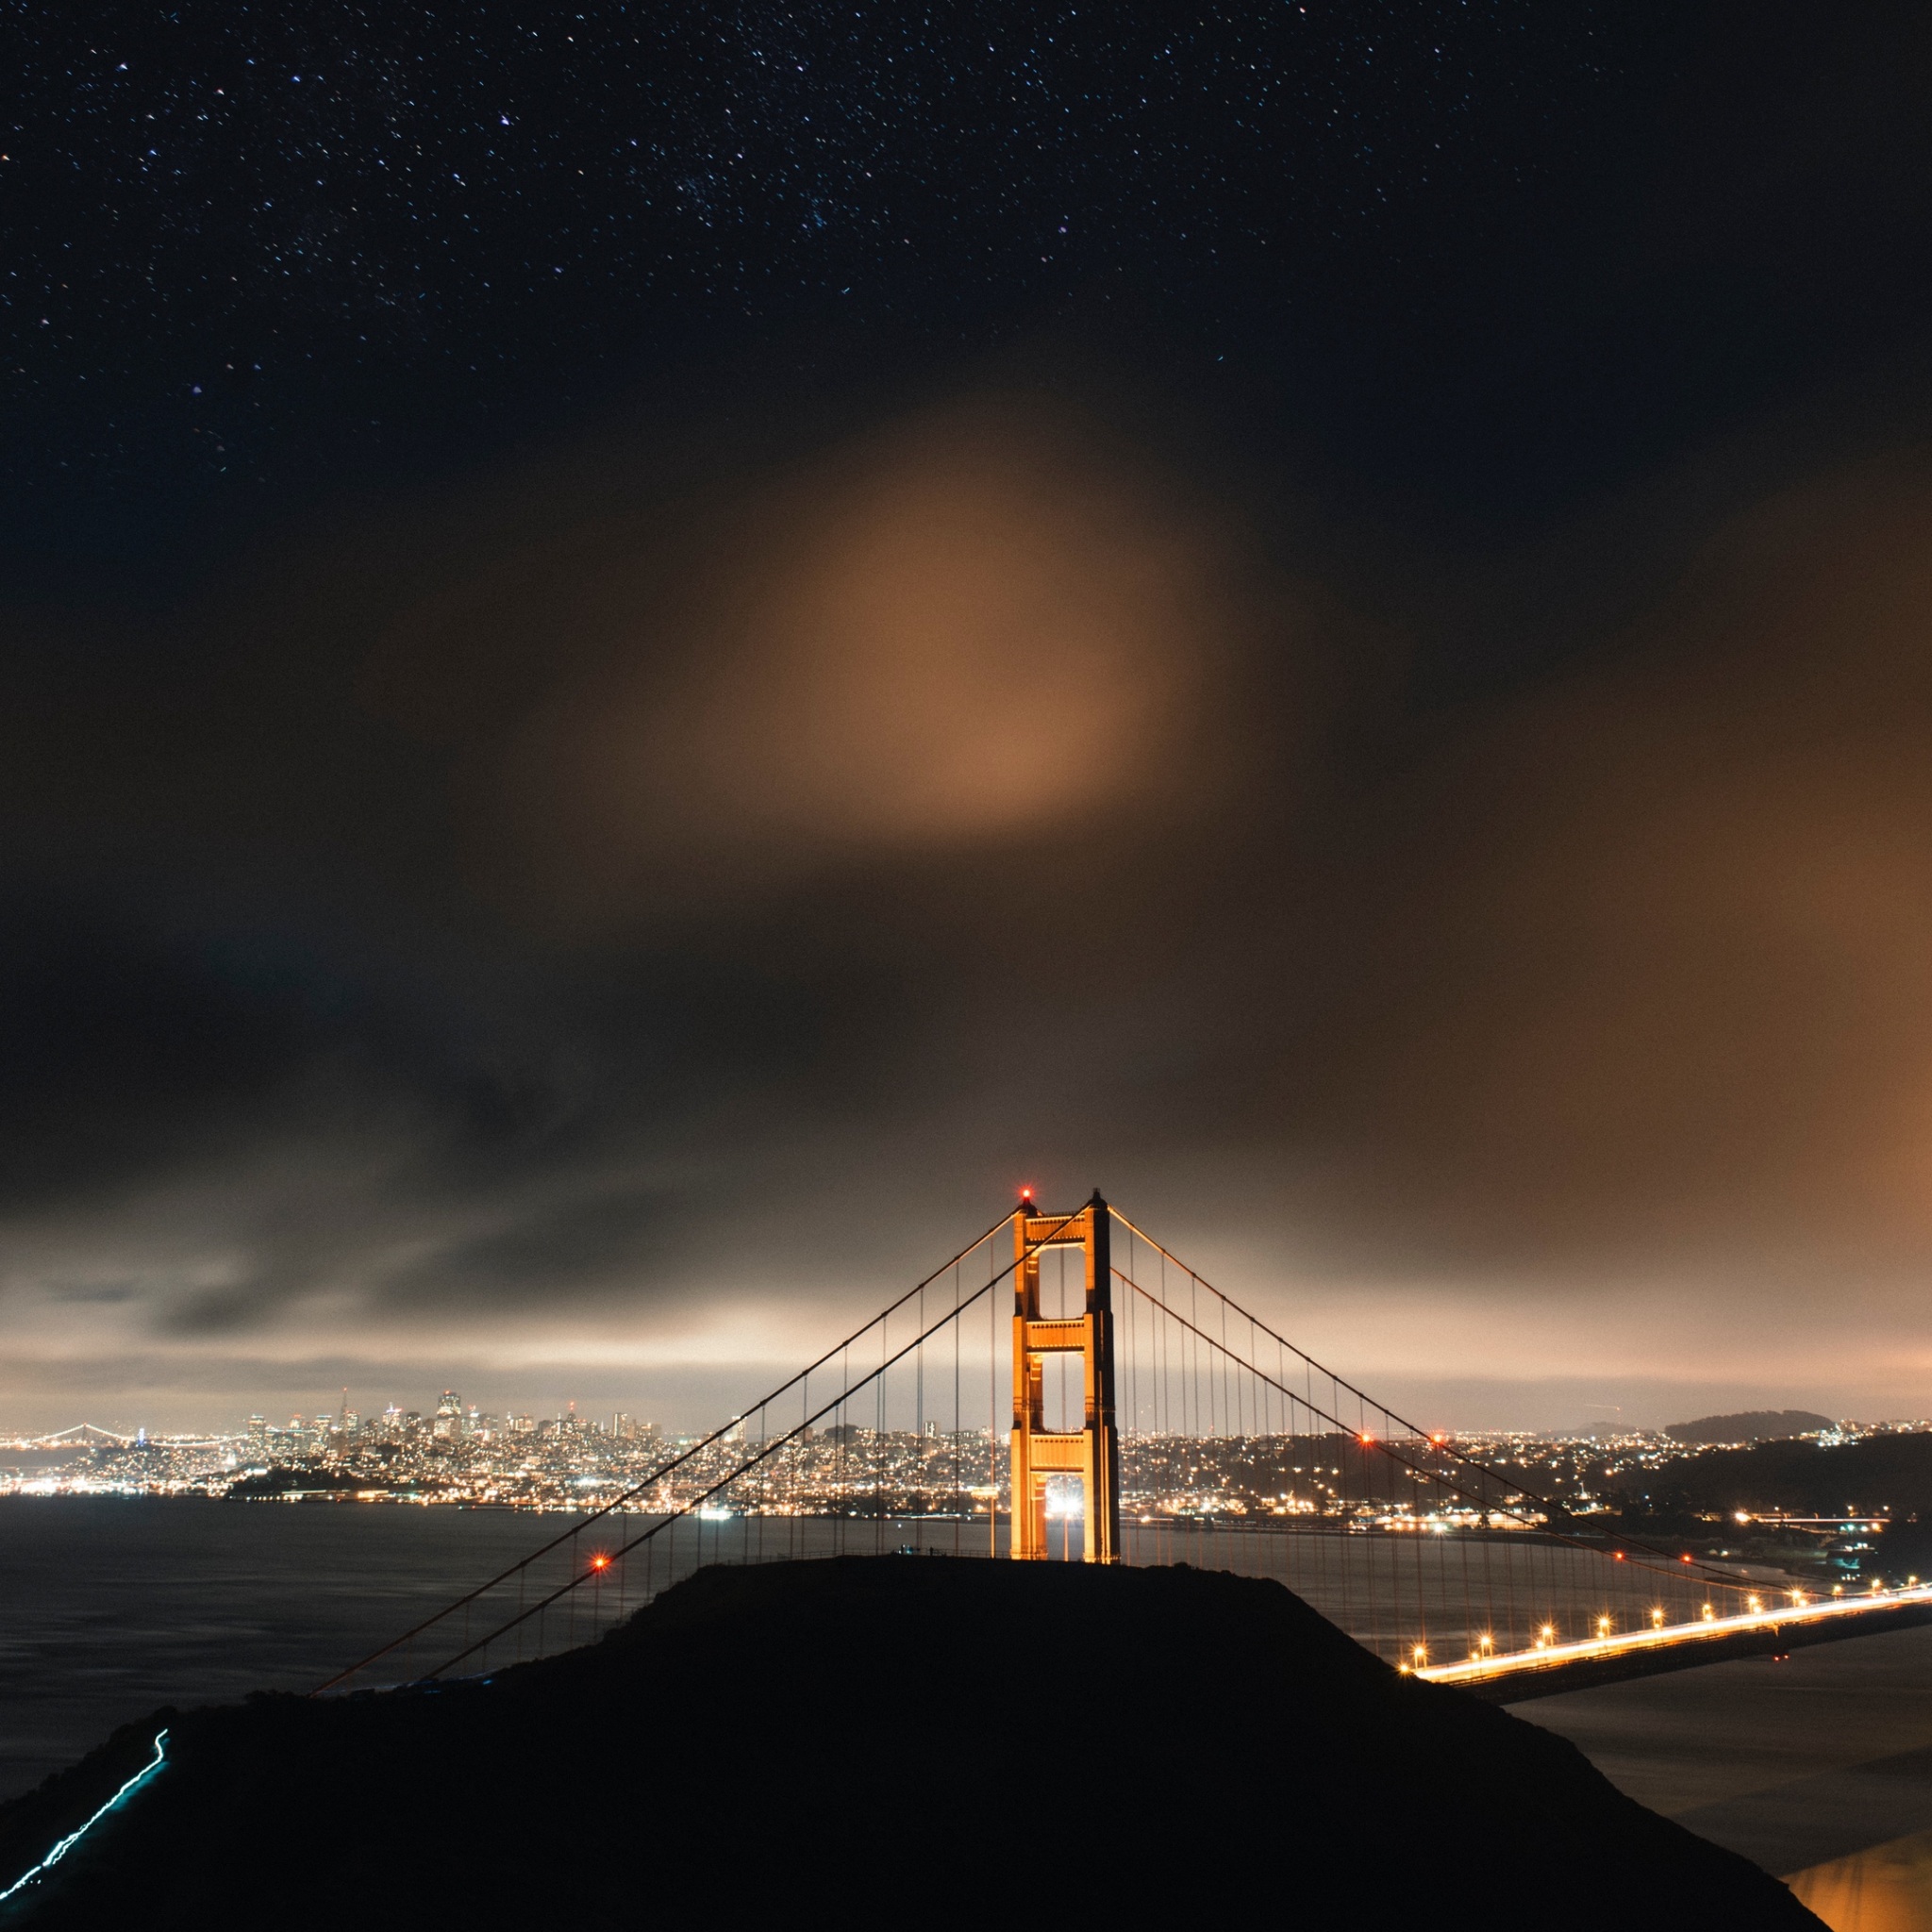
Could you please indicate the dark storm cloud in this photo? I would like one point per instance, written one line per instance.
(1615, 982)
(536, 917)
(1619, 974)
(134, 1039)
(589, 1242)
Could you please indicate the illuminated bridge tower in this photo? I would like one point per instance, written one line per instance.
(1092, 1452)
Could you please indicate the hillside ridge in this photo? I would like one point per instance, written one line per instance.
(1167, 1744)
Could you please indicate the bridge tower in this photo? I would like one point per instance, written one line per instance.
(1092, 1452)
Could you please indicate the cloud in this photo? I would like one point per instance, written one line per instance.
(689, 908)
(1635, 964)
(983, 626)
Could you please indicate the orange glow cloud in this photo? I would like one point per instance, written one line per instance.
(981, 625)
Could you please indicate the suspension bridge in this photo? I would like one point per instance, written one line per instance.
(1065, 1389)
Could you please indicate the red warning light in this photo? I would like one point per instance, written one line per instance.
(600, 1561)
(1619, 1556)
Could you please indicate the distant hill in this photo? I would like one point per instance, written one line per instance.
(1886, 1474)
(1753, 1425)
(878, 1742)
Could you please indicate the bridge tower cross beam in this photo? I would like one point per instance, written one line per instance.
(1092, 1450)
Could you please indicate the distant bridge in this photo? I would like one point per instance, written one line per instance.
(85, 1435)
(1065, 1386)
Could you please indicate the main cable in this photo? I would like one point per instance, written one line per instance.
(658, 1473)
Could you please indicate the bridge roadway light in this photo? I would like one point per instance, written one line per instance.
(1657, 1620)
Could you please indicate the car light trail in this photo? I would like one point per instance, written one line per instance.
(1655, 1638)
(75, 1837)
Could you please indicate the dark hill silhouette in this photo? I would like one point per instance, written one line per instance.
(883, 1741)
(1752, 1425)
(1889, 1474)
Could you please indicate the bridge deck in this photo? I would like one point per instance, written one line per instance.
(1649, 1652)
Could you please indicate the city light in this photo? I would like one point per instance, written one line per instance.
(1250, 1481)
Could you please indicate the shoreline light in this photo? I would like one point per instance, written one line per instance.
(1656, 1636)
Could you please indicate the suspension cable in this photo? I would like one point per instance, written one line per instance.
(1388, 1450)
(1028, 1250)
(1710, 1570)
(664, 1470)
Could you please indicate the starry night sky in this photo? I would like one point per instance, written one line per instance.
(472, 811)
(1488, 254)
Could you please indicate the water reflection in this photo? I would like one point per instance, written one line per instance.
(1886, 1888)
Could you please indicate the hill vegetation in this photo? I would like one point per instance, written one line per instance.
(1713, 1501)
(1750, 1426)
(1882, 1475)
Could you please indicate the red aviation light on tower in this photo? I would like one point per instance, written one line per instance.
(600, 1561)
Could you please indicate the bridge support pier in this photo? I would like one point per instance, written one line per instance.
(1092, 1452)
